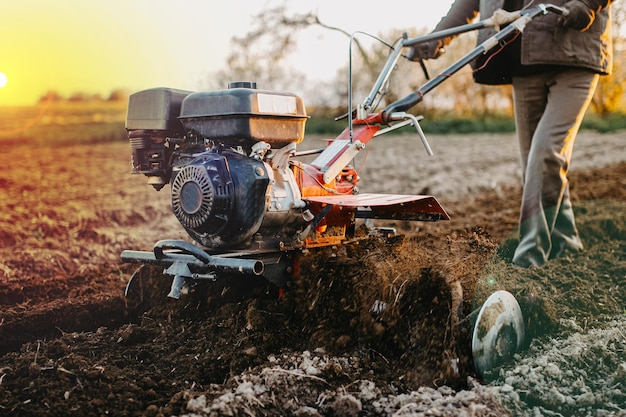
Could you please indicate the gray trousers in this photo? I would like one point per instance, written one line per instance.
(549, 108)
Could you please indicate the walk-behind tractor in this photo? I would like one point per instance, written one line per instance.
(240, 191)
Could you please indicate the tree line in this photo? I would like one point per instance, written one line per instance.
(52, 96)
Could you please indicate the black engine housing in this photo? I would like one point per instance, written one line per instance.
(219, 197)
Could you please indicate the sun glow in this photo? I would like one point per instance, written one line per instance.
(71, 48)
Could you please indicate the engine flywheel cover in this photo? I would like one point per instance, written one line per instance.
(499, 331)
(192, 196)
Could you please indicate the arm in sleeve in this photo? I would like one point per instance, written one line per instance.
(460, 13)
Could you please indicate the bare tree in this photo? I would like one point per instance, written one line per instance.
(262, 54)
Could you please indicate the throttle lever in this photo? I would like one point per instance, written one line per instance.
(415, 122)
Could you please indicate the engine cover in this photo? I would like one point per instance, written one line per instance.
(245, 116)
(219, 198)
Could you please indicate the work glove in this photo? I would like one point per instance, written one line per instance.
(426, 50)
(579, 16)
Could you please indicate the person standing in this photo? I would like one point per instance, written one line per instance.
(554, 67)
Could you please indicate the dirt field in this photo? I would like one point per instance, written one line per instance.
(71, 346)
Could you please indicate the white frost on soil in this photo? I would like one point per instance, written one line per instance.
(580, 374)
(577, 373)
(281, 386)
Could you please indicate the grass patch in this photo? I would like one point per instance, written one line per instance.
(325, 125)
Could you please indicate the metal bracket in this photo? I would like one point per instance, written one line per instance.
(415, 122)
(180, 271)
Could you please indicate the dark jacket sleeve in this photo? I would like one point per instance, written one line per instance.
(460, 13)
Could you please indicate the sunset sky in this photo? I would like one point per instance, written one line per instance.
(97, 46)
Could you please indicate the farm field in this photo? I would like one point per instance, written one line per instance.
(71, 345)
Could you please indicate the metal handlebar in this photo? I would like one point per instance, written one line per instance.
(397, 111)
(517, 20)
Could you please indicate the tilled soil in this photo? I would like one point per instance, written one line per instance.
(378, 327)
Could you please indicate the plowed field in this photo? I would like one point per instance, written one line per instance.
(70, 344)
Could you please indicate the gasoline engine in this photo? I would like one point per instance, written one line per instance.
(225, 155)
